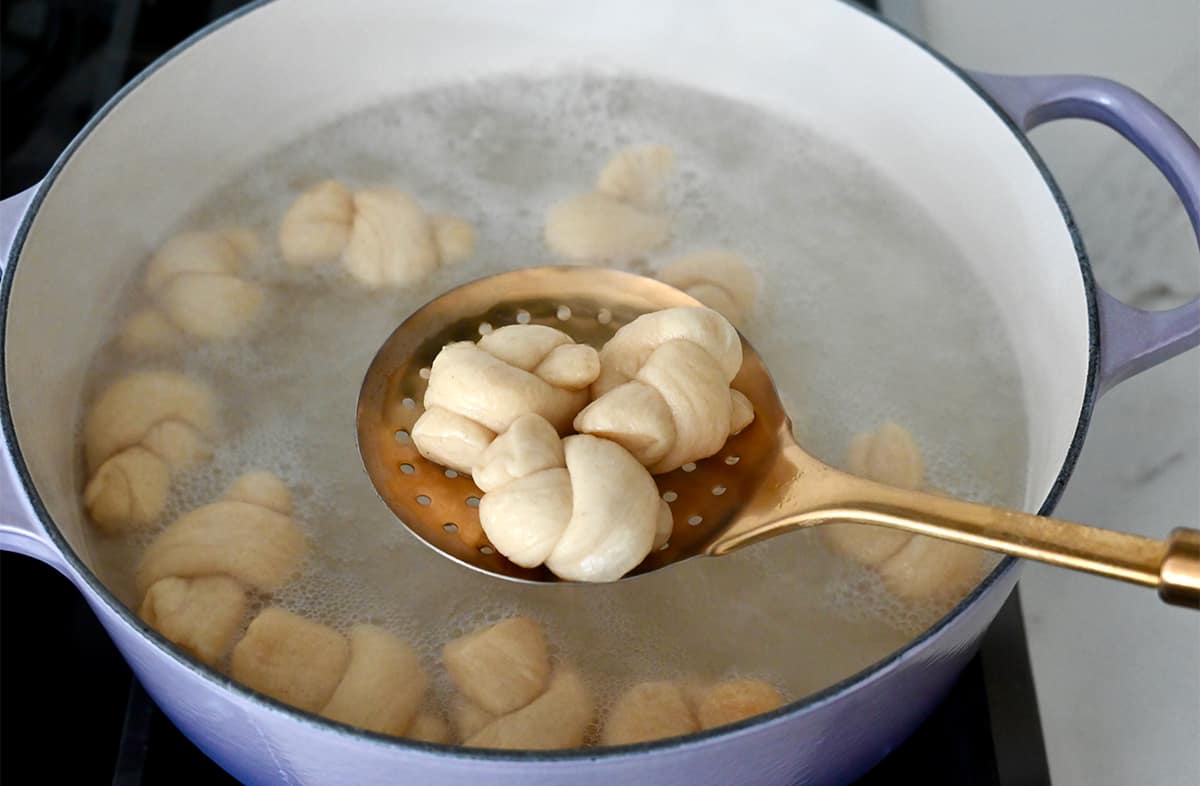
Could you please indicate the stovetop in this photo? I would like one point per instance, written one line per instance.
(70, 710)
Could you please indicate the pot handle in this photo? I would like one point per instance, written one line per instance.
(19, 528)
(1131, 340)
(12, 211)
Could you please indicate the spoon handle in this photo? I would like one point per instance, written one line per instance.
(818, 494)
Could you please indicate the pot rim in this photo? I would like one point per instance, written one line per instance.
(808, 703)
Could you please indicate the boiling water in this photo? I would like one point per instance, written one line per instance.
(848, 270)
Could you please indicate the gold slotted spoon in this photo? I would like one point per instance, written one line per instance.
(761, 484)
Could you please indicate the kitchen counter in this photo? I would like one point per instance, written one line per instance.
(1117, 672)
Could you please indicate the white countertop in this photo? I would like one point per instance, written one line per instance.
(1117, 672)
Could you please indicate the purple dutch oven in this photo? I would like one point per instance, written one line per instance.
(215, 104)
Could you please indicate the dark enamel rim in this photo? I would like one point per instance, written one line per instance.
(677, 743)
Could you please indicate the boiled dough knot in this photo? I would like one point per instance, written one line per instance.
(556, 720)
(195, 577)
(663, 391)
(719, 279)
(623, 217)
(654, 710)
(583, 506)
(194, 283)
(256, 542)
(913, 567)
(497, 670)
(509, 695)
(140, 430)
(637, 175)
(477, 390)
(382, 235)
(370, 679)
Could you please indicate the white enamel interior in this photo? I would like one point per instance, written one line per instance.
(295, 64)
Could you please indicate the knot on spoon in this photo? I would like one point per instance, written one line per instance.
(477, 390)
(663, 392)
(583, 506)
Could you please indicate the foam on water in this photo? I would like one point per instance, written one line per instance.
(866, 313)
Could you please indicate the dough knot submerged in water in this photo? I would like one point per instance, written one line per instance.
(140, 430)
(196, 576)
(915, 568)
(383, 237)
(194, 282)
(623, 217)
(510, 696)
(719, 279)
(370, 678)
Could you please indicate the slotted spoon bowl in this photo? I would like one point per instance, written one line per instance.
(761, 484)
